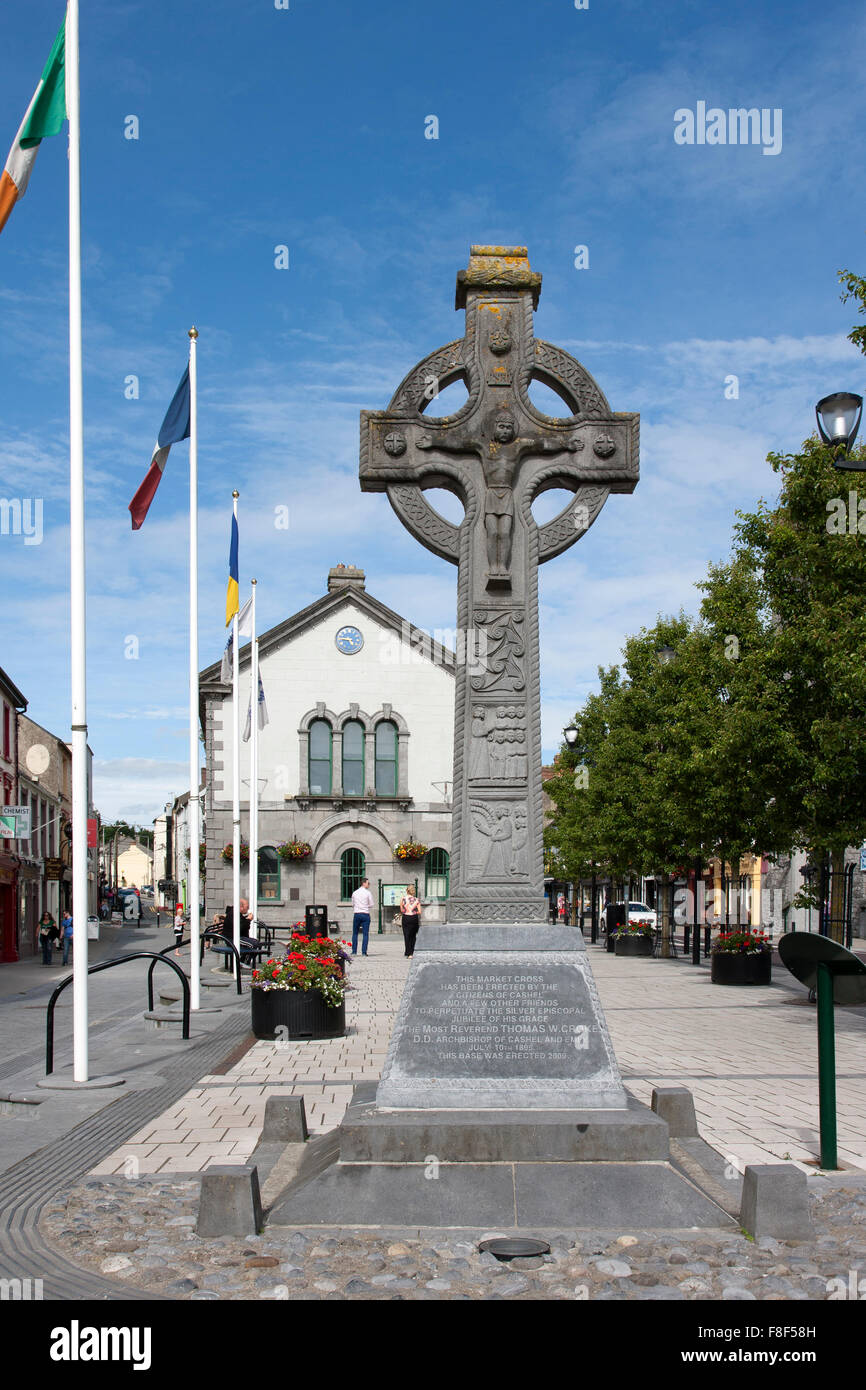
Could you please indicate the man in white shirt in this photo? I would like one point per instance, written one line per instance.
(362, 906)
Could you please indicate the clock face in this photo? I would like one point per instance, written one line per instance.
(349, 640)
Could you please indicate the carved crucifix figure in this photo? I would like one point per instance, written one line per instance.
(497, 454)
(500, 457)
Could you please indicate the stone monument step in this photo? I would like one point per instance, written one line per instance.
(502, 1196)
(372, 1135)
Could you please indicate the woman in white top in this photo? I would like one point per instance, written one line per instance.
(410, 910)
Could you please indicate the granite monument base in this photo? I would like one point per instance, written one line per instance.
(500, 1105)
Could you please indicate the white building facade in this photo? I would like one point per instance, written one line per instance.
(357, 756)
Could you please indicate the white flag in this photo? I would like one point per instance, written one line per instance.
(263, 713)
(226, 667)
(245, 619)
(245, 629)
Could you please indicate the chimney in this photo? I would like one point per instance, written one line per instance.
(345, 577)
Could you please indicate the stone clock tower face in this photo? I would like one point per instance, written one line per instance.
(349, 640)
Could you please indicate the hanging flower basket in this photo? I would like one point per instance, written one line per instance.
(228, 853)
(409, 849)
(294, 849)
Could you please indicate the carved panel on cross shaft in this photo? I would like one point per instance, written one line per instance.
(506, 652)
(500, 835)
(497, 752)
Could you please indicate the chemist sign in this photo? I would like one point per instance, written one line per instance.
(15, 822)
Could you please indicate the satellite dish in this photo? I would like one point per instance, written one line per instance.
(37, 759)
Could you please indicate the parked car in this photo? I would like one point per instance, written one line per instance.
(639, 912)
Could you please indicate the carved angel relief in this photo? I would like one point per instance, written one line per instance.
(500, 839)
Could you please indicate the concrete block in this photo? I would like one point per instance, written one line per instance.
(230, 1203)
(285, 1120)
(776, 1202)
(676, 1105)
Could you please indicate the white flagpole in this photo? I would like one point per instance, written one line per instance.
(236, 773)
(254, 770)
(194, 778)
(78, 626)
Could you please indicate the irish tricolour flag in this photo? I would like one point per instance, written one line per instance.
(45, 116)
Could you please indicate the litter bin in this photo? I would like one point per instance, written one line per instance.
(614, 916)
(316, 918)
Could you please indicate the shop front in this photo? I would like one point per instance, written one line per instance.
(8, 910)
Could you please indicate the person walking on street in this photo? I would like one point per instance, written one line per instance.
(410, 910)
(362, 906)
(48, 934)
(178, 928)
(66, 925)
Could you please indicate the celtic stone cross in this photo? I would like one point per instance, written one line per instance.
(497, 454)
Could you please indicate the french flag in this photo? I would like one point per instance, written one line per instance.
(175, 427)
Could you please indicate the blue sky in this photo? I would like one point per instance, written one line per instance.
(305, 127)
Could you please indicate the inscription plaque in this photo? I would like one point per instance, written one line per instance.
(507, 1029)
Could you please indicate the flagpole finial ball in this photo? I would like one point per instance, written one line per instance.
(253, 581)
(193, 332)
(235, 493)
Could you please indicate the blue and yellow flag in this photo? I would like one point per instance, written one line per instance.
(232, 590)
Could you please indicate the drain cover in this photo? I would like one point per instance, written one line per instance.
(516, 1248)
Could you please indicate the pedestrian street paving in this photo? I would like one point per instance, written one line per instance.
(220, 1119)
(749, 1056)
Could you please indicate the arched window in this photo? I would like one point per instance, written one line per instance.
(436, 873)
(320, 758)
(269, 874)
(386, 758)
(353, 869)
(353, 758)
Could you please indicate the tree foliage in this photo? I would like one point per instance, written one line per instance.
(752, 738)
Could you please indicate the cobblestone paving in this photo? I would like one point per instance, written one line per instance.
(142, 1230)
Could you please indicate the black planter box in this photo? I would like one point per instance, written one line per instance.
(302, 1013)
(634, 945)
(748, 968)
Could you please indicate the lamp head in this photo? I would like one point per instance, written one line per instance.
(838, 422)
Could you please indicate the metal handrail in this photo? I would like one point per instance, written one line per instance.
(106, 965)
(175, 945)
(213, 932)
